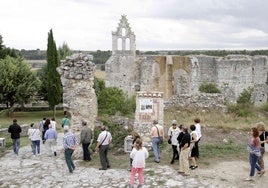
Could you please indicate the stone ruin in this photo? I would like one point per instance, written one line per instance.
(179, 77)
(79, 98)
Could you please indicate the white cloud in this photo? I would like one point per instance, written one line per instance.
(170, 24)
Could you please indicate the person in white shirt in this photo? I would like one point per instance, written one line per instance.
(198, 128)
(36, 139)
(104, 139)
(29, 133)
(173, 133)
(53, 123)
(138, 154)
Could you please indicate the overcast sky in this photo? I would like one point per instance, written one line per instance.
(157, 24)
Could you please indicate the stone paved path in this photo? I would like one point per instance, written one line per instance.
(26, 171)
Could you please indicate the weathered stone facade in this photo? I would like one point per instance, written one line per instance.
(79, 98)
(177, 76)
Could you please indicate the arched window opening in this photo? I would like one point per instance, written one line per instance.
(119, 44)
(123, 32)
(127, 44)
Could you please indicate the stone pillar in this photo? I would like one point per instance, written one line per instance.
(149, 107)
(79, 98)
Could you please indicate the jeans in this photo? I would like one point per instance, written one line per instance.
(16, 145)
(86, 153)
(253, 164)
(68, 158)
(156, 148)
(36, 146)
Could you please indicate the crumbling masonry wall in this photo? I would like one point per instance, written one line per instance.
(181, 76)
(79, 98)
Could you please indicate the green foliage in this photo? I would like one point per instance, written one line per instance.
(241, 110)
(43, 76)
(54, 88)
(100, 57)
(112, 100)
(99, 85)
(17, 82)
(33, 54)
(245, 97)
(209, 88)
(4, 51)
(64, 51)
(118, 133)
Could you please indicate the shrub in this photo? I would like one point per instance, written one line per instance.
(209, 88)
(245, 97)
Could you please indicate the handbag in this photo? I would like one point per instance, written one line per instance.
(169, 141)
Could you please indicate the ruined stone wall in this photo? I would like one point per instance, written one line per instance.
(79, 98)
(182, 75)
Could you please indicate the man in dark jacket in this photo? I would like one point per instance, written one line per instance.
(15, 131)
(86, 136)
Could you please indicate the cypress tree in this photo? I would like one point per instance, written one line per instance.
(54, 88)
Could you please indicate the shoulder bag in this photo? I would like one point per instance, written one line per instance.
(160, 137)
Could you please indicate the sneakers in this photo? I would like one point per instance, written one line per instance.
(193, 167)
(261, 173)
(249, 179)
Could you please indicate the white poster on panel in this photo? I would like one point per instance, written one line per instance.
(146, 105)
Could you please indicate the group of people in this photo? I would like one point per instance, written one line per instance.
(256, 149)
(184, 144)
(184, 147)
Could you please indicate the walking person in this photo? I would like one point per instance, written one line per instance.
(254, 146)
(53, 123)
(138, 155)
(263, 135)
(104, 139)
(65, 121)
(15, 131)
(36, 139)
(29, 133)
(156, 135)
(45, 128)
(173, 133)
(51, 140)
(70, 142)
(184, 153)
(86, 138)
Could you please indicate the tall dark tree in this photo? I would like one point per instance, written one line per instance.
(54, 88)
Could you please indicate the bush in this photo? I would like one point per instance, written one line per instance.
(209, 88)
(240, 110)
(245, 97)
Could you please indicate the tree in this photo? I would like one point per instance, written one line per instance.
(17, 82)
(64, 51)
(54, 88)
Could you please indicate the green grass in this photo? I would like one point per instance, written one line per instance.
(30, 117)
